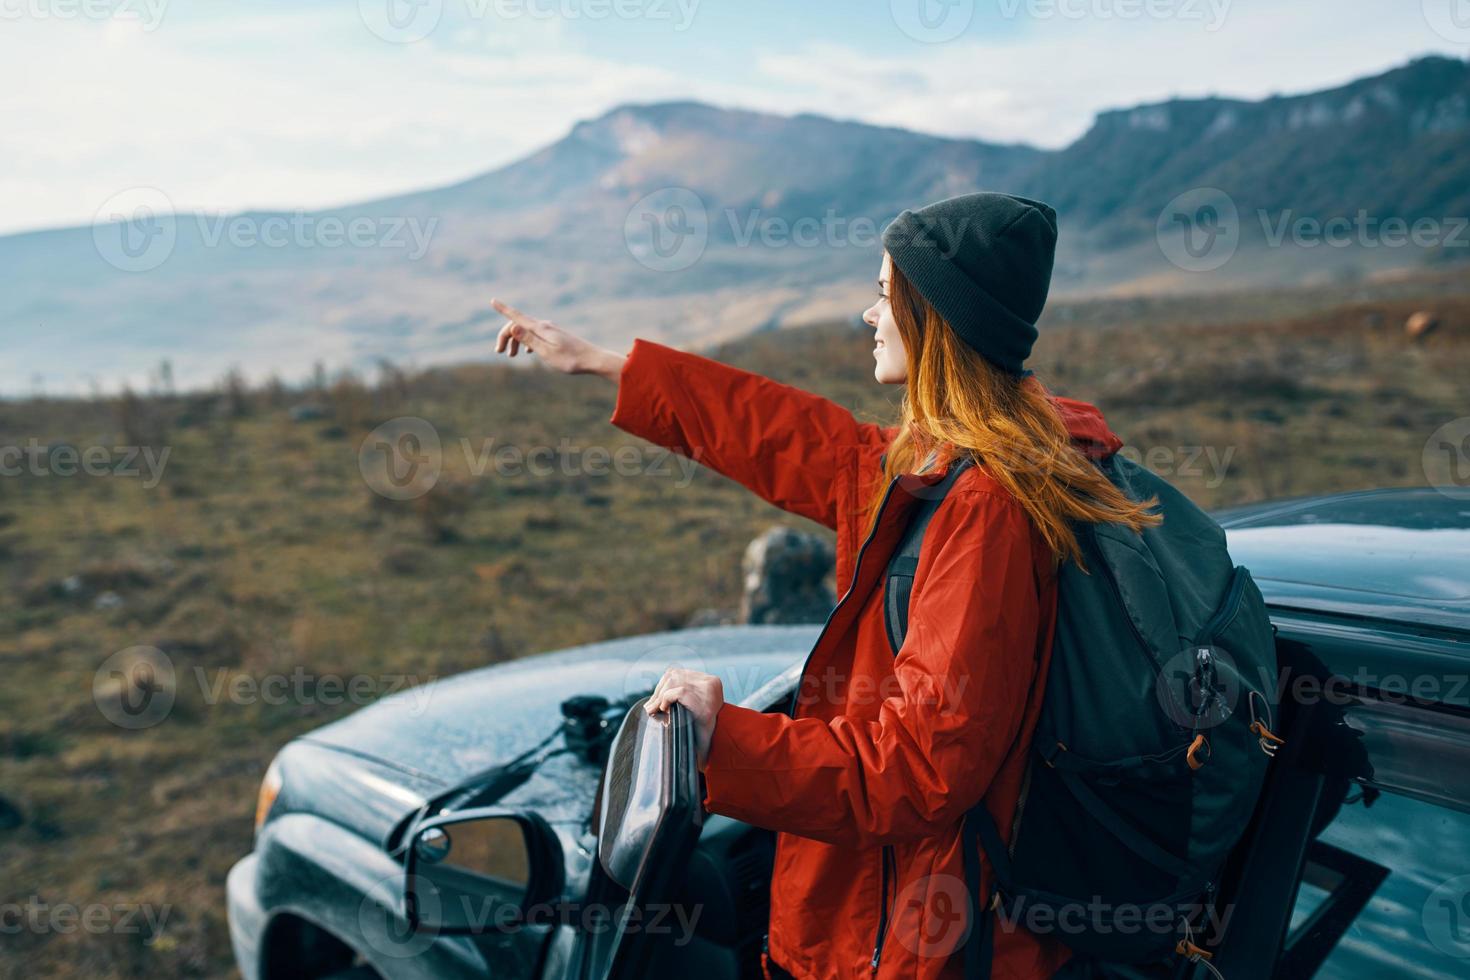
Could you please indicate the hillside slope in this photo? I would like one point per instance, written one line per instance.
(695, 223)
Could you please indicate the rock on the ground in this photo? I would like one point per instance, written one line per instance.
(1421, 324)
(787, 575)
(10, 815)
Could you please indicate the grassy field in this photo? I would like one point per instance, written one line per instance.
(260, 552)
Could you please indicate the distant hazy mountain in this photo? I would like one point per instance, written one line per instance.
(1394, 146)
(688, 222)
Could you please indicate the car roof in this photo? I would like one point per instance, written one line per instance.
(1399, 555)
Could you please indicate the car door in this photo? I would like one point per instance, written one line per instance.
(1358, 864)
(648, 818)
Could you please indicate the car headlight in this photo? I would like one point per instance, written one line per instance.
(270, 788)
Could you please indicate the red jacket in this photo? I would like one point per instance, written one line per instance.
(885, 753)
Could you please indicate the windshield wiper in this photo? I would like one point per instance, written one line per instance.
(588, 725)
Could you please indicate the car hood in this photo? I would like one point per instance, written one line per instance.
(456, 726)
(1397, 555)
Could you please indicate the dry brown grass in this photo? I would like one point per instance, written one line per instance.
(262, 551)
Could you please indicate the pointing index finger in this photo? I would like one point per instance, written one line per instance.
(511, 312)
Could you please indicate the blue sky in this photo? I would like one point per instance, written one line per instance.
(306, 103)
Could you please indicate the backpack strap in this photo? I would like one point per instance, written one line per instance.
(979, 831)
(904, 562)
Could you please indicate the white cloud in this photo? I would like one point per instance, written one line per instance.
(1045, 84)
(291, 121)
(304, 108)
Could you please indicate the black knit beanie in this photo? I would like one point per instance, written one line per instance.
(984, 262)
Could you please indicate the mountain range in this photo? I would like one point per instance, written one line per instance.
(690, 223)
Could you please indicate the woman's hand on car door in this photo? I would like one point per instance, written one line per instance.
(702, 694)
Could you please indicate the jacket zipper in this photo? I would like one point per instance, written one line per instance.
(856, 568)
(883, 907)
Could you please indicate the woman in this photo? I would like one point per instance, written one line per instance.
(868, 782)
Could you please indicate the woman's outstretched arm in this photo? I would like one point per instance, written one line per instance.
(795, 449)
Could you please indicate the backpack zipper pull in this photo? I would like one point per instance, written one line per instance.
(1204, 688)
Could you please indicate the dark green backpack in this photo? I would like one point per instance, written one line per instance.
(1152, 744)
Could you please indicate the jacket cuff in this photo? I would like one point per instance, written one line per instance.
(640, 402)
(733, 750)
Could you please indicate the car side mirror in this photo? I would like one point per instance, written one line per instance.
(650, 798)
(480, 870)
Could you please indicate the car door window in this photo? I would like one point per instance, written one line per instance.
(1400, 868)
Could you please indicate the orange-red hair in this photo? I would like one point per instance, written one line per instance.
(960, 404)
